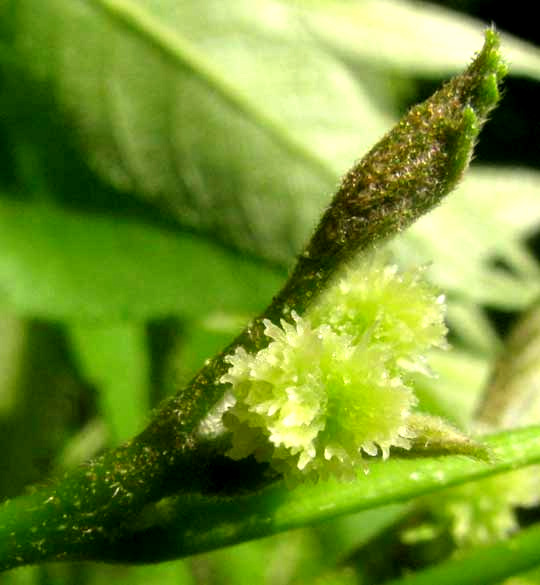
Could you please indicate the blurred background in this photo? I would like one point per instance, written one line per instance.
(162, 164)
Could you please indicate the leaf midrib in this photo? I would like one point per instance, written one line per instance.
(182, 53)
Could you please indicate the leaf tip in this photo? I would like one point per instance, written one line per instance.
(489, 69)
(434, 436)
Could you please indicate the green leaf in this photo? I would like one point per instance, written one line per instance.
(63, 265)
(219, 117)
(472, 327)
(417, 37)
(201, 339)
(511, 397)
(114, 359)
(453, 392)
(464, 240)
(193, 109)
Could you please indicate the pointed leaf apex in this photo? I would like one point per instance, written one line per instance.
(434, 436)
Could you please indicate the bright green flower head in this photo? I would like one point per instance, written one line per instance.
(483, 511)
(334, 385)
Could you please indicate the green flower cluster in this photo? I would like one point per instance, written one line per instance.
(483, 511)
(334, 384)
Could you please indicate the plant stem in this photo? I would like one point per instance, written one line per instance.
(104, 521)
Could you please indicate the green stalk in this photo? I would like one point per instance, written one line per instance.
(98, 522)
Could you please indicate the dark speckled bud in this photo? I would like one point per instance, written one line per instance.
(404, 175)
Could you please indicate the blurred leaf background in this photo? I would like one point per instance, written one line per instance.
(161, 165)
